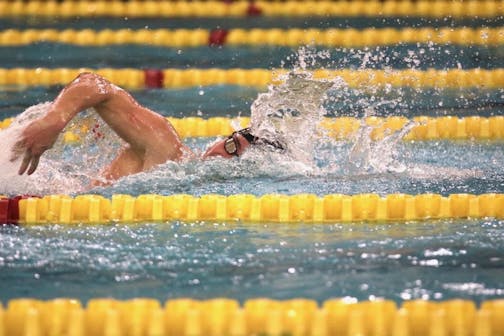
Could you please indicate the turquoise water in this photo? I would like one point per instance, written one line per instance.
(53, 55)
(245, 22)
(230, 101)
(434, 260)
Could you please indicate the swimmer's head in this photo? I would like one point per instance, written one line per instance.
(237, 143)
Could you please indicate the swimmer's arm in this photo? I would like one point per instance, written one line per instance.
(148, 134)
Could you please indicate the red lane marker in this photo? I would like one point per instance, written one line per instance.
(154, 78)
(9, 209)
(4, 210)
(14, 208)
(253, 10)
(217, 37)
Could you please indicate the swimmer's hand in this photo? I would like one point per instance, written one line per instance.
(35, 139)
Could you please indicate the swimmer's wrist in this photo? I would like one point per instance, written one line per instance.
(56, 122)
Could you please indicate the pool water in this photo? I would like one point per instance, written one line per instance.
(352, 166)
(53, 55)
(436, 259)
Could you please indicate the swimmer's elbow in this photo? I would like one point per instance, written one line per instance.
(89, 77)
(93, 82)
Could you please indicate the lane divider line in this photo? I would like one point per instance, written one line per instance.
(178, 38)
(270, 208)
(179, 78)
(240, 8)
(340, 128)
(256, 316)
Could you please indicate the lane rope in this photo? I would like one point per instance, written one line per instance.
(272, 37)
(259, 316)
(178, 78)
(341, 128)
(270, 208)
(368, 8)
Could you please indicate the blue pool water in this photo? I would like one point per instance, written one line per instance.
(437, 260)
(231, 101)
(244, 22)
(51, 55)
(431, 260)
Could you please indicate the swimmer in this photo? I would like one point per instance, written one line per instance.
(150, 138)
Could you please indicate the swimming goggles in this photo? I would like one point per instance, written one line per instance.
(232, 144)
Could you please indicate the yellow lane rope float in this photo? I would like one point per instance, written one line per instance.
(276, 208)
(177, 78)
(273, 37)
(261, 316)
(341, 128)
(371, 8)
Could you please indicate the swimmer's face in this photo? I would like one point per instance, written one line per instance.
(234, 143)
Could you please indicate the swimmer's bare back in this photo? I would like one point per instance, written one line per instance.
(150, 138)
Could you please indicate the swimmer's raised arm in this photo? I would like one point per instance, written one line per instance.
(151, 138)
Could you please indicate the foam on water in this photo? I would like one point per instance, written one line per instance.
(377, 156)
(10, 181)
(62, 169)
(290, 113)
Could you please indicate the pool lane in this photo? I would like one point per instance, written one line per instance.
(436, 260)
(20, 22)
(404, 56)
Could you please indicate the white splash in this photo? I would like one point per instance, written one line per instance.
(62, 169)
(290, 113)
(10, 181)
(368, 155)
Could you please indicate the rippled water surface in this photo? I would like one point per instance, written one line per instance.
(399, 261)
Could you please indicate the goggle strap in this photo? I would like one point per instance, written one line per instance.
(252, 139)
(247, 135)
